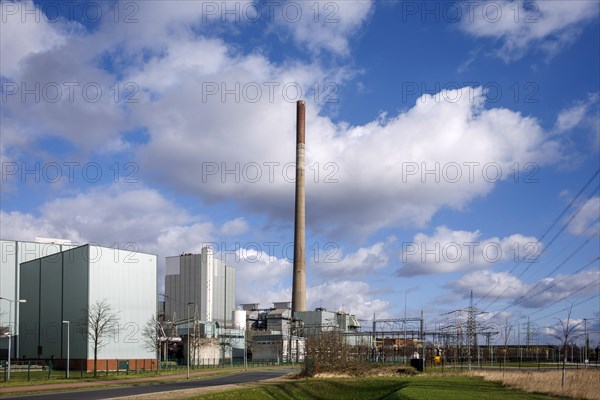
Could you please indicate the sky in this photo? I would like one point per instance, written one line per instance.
(452, 147)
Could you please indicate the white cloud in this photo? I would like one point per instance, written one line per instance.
(573, 116)
(522, 26)
(378, 168)
(324, 25)
(24, 226)
(350, 296)
(363, 261)
(515, 292)
(587, 218)
(450, 251)
(370, 167)
(234, 227)
(553, 289)
(140, 219)
(26, 33)
(261, 278)
(488, 283)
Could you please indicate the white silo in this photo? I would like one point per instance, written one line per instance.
(239, 319)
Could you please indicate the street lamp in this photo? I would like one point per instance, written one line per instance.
(188, 340)
(10, 334)
(68, 323)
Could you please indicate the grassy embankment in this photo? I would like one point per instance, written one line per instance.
(580, 384)
(389, 388)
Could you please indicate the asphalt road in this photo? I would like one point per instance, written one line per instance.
(94, 394)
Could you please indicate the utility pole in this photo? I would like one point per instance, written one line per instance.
(422, 334)
(586, 349)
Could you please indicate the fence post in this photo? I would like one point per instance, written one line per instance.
(28, 370)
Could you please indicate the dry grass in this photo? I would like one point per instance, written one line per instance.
(579, 384)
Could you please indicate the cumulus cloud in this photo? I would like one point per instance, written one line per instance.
(261, 278)
(449, 251)
(139, 219)
(381, 168)
(363, 261)
(547, 26)
(587, 218)
(515, 292)
(234, 227)
(488, 283)
(355, 297)
(229, 116)
(324, 25)
(553, 289)
(25, 33)
(573, 116)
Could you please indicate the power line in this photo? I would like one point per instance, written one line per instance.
(566, 308)
(562, 229)
(563, 212)
(556, 282)
(582, 233)
(594, 282)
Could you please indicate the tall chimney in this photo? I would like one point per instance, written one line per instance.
(299, 278)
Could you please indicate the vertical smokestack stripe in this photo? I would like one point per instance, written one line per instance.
(299, 277)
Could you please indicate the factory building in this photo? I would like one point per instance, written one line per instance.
(320, 320)
(206, 343)
(202, 281)
(58, 290)
(12, 254)
(274, 334)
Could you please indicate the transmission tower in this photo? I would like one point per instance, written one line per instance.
(472, 329)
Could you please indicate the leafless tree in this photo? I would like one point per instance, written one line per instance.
(565, 331)
(151, 334)
(98, 324)
(505, 333)
(4, 328)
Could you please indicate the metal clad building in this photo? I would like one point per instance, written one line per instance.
(60, 287)
(204, 281)
(12, 254)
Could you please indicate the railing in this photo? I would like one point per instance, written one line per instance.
(40, 370)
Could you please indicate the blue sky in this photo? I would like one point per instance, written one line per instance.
(443, 141)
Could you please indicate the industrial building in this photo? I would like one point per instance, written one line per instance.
(58, 290)
(12, 254)
(205, 343)
(273, 333)
(202, 281)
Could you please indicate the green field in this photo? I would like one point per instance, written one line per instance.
(406, 388)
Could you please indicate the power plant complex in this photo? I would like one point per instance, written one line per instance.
(54, 294)
(49, 287)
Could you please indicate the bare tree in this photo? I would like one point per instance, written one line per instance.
(505, 333)
(98, 323)
(4, 328)
(152, 334)
(564, 331)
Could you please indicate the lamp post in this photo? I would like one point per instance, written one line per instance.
(188, 340)
(10, 334)
(68, 323)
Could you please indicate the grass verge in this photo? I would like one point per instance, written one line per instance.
(389, 388)
(580, 384)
